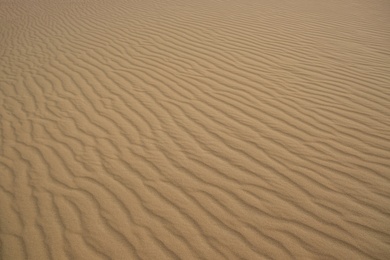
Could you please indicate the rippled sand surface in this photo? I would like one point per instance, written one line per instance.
(178, 129)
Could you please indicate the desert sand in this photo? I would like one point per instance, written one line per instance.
(178, 129)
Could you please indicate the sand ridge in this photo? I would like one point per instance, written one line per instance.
(166, 129)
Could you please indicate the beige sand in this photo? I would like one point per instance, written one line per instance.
(194, 129)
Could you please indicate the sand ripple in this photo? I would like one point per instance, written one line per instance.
(167, 129)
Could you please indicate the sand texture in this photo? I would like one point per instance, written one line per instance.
(194, 129)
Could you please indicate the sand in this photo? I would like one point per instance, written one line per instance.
(178, 129)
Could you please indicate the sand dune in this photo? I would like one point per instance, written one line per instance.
(167, 129)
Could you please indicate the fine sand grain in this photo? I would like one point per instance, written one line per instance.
(194, 129)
